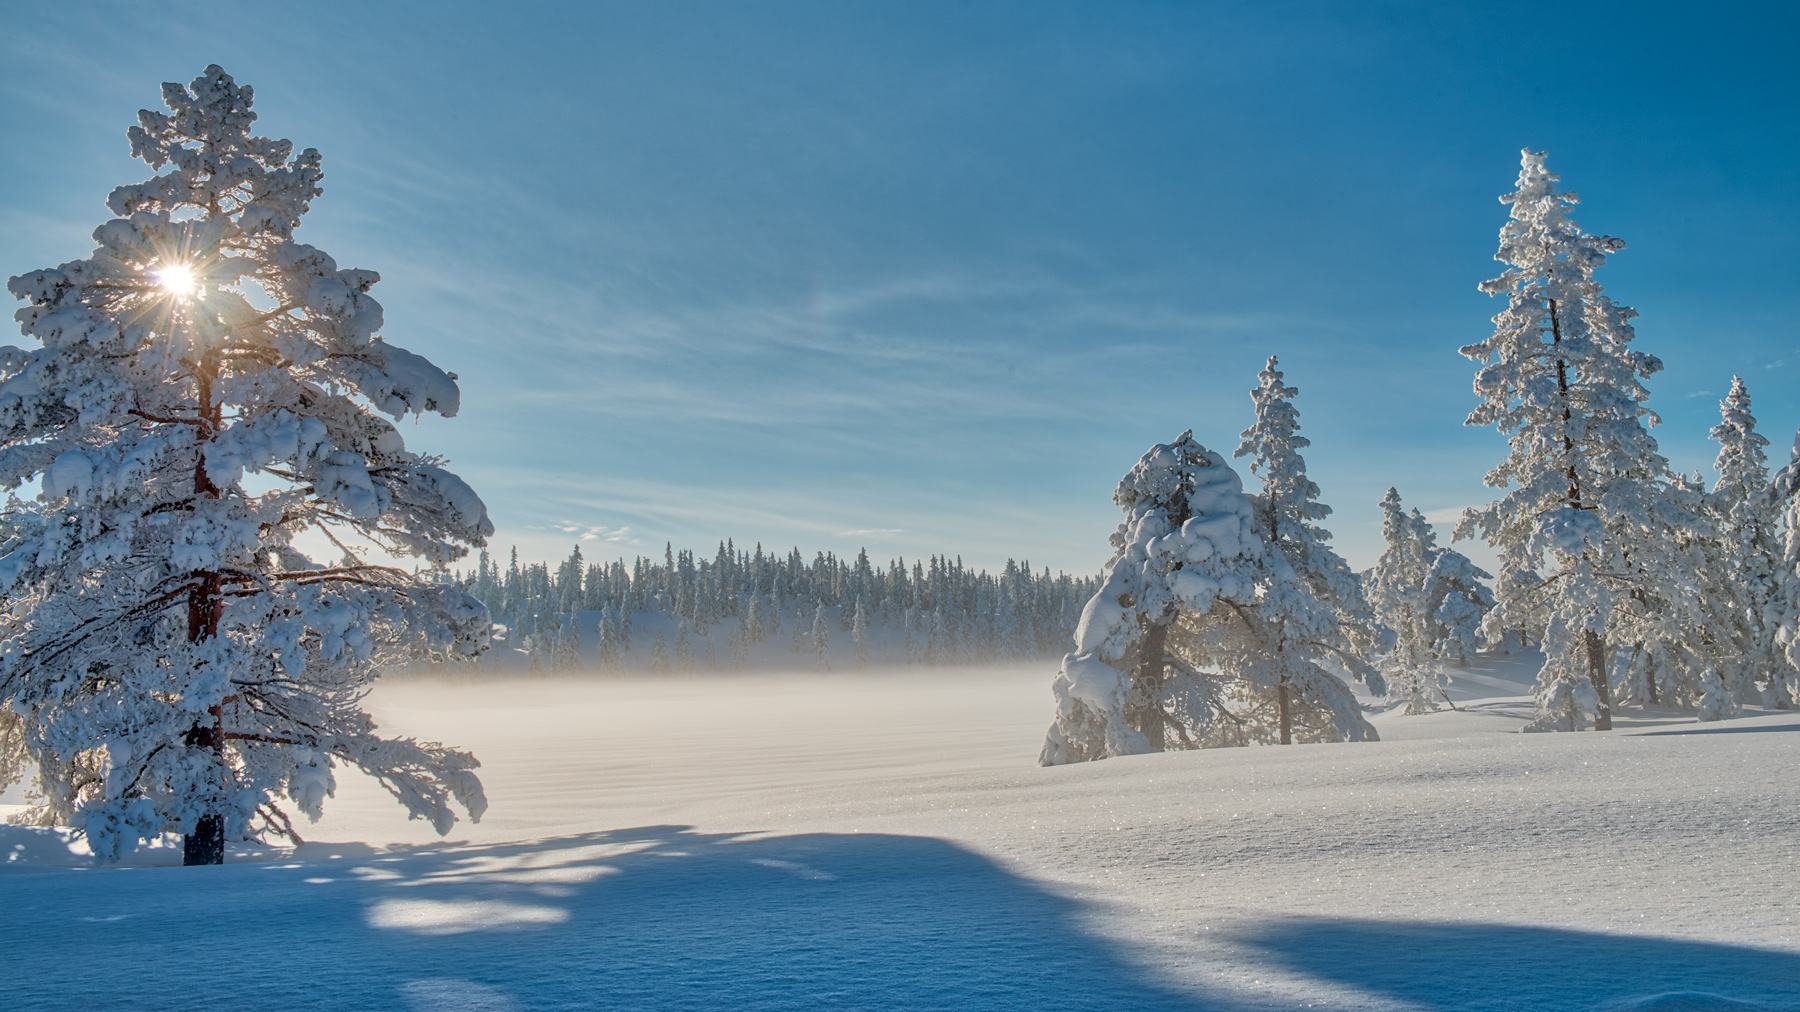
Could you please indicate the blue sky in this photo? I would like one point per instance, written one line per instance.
(929, 277)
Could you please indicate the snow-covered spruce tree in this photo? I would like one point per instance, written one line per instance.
(1589, 493)
(859, 633)
(1743, 577)
(1285, 513)
(1193, 612)
(176, 663)
(1432, 598)
(821, 639)
(1783, 612)
(1188, 530)
(1396, 588)
(1457, 600)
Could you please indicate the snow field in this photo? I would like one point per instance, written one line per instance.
(883, 841)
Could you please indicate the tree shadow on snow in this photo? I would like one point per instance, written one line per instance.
(645, 919)
(1725, 729)
(1506, 968)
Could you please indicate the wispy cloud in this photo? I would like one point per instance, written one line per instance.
(1447, 515)
(591, 532)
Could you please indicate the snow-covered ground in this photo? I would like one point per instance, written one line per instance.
(885, 841)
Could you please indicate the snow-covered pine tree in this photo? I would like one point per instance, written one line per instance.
(1588, 490)
(659, 654)
(1743, 578)
(1458, 601)
(741, 638)
(568, 582)
(176, 662)
(606, 640)
(1396, 588)
(821, 639)
(1783, 612)
(859, 633)
(1191, 589)
(1432, 598)
(753, 620)
(565, 649)
(1285, 511)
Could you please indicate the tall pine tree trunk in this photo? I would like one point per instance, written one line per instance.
(1596, 655)
(1147, 717)
(206, 844)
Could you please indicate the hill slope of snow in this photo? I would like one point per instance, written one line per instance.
(884, 841)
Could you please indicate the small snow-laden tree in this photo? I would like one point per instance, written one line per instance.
(1587, 509)
(1677, 642)
(753, 620)
(1195, 611)
(567, 585)
(1434, 600)
(1743, 574)
(859, 632)
(606, 639)
(565, 645)
(179, 665)
(1457, 600)
(802, 638)
(1187, 537)
(821, 639)
(1286, 510)
(659, 654)
(1396, 588)
(741, 638)
(1783, 612)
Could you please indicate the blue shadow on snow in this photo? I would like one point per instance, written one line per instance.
(1503, 968)
(644, 919)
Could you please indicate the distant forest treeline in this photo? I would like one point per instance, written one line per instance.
(948, 613)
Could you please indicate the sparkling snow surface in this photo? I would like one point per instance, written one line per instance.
(884, 842)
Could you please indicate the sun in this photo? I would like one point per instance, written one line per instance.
(177, 280)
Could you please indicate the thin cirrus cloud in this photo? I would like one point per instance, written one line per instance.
(937, 274)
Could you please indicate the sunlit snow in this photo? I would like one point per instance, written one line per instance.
(885, 840)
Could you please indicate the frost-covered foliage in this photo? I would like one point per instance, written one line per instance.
(1186, 544)
(1432, 598)
(1286, 510)
(1743, 577)
(1199, 629)
(1596, 538)
(951, 613)
(174, 662)
(1783, 613)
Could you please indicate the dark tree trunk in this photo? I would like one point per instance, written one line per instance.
(206, 844)
(1148, 717)
(1596, 654)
